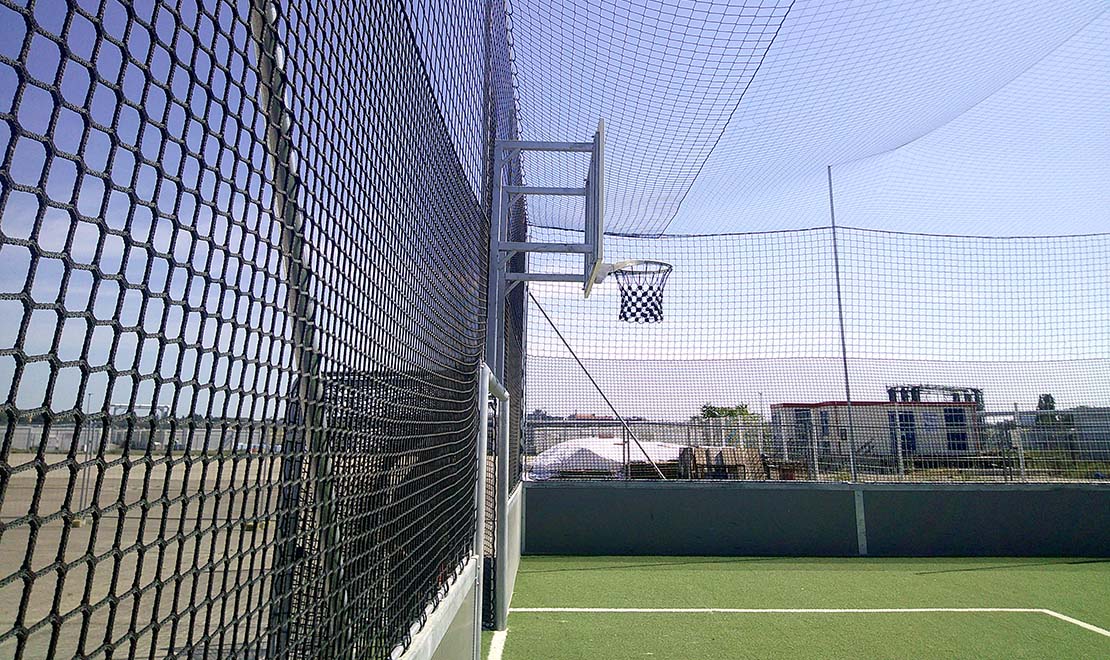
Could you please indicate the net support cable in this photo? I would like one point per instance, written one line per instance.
(627, 428)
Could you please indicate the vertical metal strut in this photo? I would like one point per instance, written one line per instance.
(843, 339)
(301, 309)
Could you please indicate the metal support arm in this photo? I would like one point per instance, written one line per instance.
(545, 190)
(543, 277)
(532, 145)
(512, 246)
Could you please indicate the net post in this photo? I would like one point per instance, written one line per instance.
(501, 524)
(843, 334)
(898, 440)
(1019, 440)
(480, 502)
(301, 308)
(813, 449)
(495, 296)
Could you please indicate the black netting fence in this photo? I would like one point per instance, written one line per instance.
(504, 125)
(242, 306)
(786, 355)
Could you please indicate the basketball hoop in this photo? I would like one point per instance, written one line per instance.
(641, 284)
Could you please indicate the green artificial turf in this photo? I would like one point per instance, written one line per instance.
(1074, 587)
(487, 637)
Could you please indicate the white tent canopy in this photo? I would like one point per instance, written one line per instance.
(599, 454)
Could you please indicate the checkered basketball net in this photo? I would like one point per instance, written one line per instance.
(641, 284)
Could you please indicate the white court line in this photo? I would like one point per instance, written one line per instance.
(776, 610)
(497, 646)
(1081, 624)
(856, 610)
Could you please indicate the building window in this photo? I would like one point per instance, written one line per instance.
(931, 422)
(955, 424)
(909, 431)
(825, 442)
(905, 430)
(802, 420)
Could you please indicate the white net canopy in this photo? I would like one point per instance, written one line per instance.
(859, 199)
(957, 117)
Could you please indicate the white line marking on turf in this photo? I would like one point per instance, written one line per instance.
(1081, 624)
(792, 610)
(497, 645)
(853, 610)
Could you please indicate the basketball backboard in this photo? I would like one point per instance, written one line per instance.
(595, 213)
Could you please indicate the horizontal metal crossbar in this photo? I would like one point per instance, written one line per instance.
(544, 190)
(530, 145)
(511, 246)
(543, 277)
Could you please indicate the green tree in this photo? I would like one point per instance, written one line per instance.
(740, 412)
(734, 423)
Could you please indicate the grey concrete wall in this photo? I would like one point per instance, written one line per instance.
(805, 519)
(451, 630)
(515, 518)
(685, 518)
(1049, 520)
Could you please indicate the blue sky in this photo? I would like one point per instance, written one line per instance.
(163, 174)
(965, 117)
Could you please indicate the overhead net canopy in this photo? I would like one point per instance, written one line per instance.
(723, 116)
(850, 194)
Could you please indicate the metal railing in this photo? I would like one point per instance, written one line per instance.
(1043, 446)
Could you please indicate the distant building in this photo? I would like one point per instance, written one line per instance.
(924, 428)
(1092, 427)
(539, 416)
(935, 393)
(1085, 430)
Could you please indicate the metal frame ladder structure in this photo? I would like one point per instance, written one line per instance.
(502, 250)
(509, 512)
(448, 623)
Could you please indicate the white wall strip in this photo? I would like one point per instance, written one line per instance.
(426, 640)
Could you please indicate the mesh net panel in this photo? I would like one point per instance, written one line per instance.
(950, 344)
(504, 125)
(665, 76)
(242, 282)
(916, 346)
